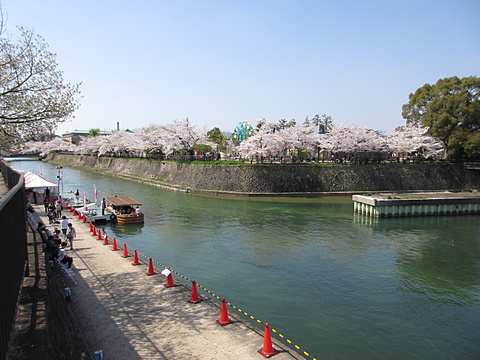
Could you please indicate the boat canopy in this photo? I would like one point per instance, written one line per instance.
(122, 201)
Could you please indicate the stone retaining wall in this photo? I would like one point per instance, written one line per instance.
(285, 178)
(65, 339)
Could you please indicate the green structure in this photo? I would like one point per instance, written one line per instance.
(242, 131)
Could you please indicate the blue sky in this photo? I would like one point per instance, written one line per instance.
(221, 62)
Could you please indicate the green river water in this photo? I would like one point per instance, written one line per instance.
(339, 285)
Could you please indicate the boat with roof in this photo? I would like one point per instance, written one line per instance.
(124, 210)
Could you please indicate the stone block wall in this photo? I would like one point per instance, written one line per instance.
(65, 339)
(287, 178)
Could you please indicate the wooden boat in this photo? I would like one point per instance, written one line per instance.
(124, 210)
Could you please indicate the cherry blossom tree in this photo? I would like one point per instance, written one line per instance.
(88, 146)
(138, 145)
(46, 147)
(253, 146)
(302, 136)
(273, 140)
(152, 140)
(413, 138)
(181, 135)
(33, 95)
(353, 139)
(264, 141)
(118, 143)
(269, 140)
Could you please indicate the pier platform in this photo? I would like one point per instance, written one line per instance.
(130, 315)
(417, 204)
(94, 213)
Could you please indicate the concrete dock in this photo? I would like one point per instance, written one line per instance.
(417, 204)
(129, 315)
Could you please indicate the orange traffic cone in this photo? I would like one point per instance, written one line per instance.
(90, 225)
(224, 319)
(105, 240)
(169, 280)
(125, 251)
(135, 258)
(150, 271)
(99, 235)
(194, 299)
(114, 245)
(267, 350)
(84, 219)
(94, 232)
(74, 212)
(79, 215)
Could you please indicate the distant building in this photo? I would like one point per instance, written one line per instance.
(76, 135)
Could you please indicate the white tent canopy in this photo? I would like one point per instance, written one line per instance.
(33, 180)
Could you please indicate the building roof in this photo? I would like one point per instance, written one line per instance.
(84, 133)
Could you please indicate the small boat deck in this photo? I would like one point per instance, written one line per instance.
(94, 212)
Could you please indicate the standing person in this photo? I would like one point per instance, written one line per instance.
(77, 195)
(63, 257)
(51, 218)
(46, 204)
(64, 225)
(103, 206)
(58, 208)
(71, 234)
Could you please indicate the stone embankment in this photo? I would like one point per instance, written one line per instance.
(292, 179)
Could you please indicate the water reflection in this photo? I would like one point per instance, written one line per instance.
(123, 229)
(441, 263)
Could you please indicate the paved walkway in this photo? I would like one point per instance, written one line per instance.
(130, 315)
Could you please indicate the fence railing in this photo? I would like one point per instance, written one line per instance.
(13, 252)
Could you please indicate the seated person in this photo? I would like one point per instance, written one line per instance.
(30, 208)
(63, 257)
(48, 232)
(138, 211)
(41, 226)
(51, 247)
(57, 237)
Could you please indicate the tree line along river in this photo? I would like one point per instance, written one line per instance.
(340, 285)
